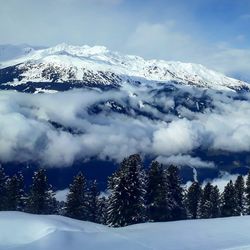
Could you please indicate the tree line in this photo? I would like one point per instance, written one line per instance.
(135, 195)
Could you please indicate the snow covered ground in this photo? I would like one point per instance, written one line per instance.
(22, 231)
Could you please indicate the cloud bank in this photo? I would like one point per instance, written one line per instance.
(57, 129)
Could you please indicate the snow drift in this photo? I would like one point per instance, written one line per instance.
(31, 232)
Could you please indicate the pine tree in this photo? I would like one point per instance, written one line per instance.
(156, 196)
(53, 204)
(41, 198)
(192, 200)
(93, 202)
(175, 194)
(215, 200)
(15, 193)
(77, 199)
(229, 205)
(102, 210)
(3, 178)
(247, 191)
(205, 206)
(126, 203)
(61, 207)
(239, 191)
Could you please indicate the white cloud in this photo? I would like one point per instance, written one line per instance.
(161, 40)
(231, 61)
(25, 131)
(71, 21)
(180, 136)
(229, 127)
(185, 160)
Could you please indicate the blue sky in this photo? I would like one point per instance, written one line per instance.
(215, 33)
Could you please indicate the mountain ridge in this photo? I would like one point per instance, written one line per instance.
(99, 66)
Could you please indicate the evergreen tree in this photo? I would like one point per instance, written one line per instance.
(239, 191)
(3, 178)
(53, 204)
(126, 203)
(156, 196)
(229, 205)
(41, 198)
(61, 207)
(192, 199)
(205, 206)
(15, 193)
(77, 199)
(175, 194)
(93, 202)
(247, 190)
(102, 210)
(215, 200)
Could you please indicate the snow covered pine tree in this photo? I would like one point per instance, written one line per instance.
(229, 204)
(156, 196)
(239, 186)
(126, 204)
(77, 199)
(15, 193)
(193, 198)
(41, 198)
(175, 194)
(93, 203)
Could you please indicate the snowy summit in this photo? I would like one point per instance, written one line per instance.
(99, 66)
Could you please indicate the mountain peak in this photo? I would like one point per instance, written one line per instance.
(66, 63)
(76, 50)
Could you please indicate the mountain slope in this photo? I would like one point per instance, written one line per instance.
(22, 231)
(81, 66)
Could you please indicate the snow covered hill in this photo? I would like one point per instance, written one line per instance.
(78, 66)
(22, 231)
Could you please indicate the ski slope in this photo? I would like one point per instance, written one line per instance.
(22, 231)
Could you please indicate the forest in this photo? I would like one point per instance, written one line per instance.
(135, 194)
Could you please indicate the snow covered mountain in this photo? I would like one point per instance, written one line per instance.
(30, 70)
(22, 231)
